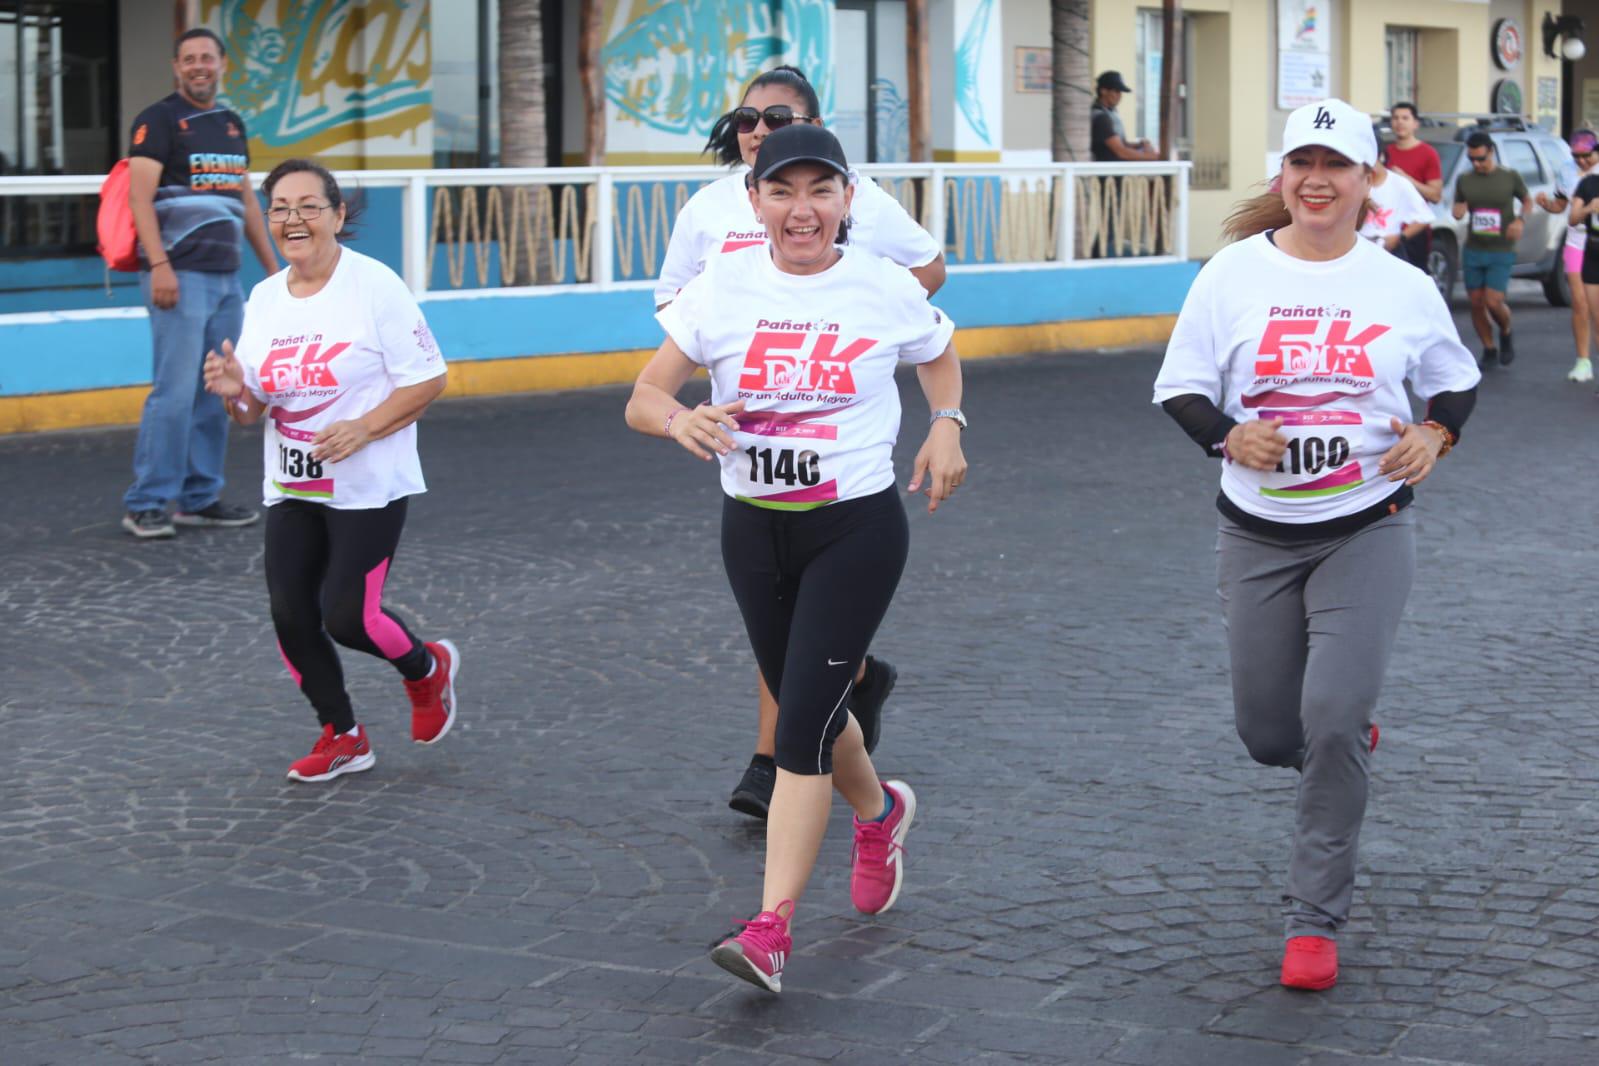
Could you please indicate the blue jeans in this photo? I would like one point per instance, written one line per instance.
(183, 433)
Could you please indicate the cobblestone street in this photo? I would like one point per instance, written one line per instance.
(1095, 868)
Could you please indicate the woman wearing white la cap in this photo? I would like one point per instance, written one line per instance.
(1289, 363)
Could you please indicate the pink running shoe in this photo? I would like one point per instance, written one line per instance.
(758, 953)
(878, 865)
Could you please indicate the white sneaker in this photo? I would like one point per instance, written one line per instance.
(1581, 371)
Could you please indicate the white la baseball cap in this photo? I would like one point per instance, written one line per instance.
(1332, 124)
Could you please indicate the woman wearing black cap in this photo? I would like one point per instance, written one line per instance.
(719, 220)
(801, 337)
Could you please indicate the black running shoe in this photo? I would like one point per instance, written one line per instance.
(1490, 356)
(148, 524)
(754, 792)
(218, 514)
(1507, 348)
(866, 699)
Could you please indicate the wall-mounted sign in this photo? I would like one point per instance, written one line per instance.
(1302, 26)
(1507, 43)
(1035, 70)
(1506, 97)
(1302, 78)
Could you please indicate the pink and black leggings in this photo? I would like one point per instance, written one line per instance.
(325, 570)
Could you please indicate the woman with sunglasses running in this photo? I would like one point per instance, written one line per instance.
(717, 220)
(337, 357)
(804, 415)
(1289, 363)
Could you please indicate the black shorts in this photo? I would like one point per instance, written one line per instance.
(1590, 263)
(813, 586)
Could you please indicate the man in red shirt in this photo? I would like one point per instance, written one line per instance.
(1418, 161)
(1415, 159)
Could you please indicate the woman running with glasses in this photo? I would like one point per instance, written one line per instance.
(336, 356)
(804, 416)
(719, 219)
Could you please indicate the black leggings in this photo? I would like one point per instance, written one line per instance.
(813, 587)
(325, 570)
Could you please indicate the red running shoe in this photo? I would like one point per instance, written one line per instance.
(335, 754)
(758, 953)
(1310, 962)
(878, 864)
(1375, 732)
(433, 697)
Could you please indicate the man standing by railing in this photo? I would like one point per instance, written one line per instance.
(1108, 138)
(190, 195)
(1108, 144)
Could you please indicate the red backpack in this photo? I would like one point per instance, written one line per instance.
(119, 244)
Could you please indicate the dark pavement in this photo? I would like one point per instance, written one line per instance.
(1094, 872)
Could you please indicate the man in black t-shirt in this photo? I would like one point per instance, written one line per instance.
(191, 199)
(1107, 137)
(1108, 142)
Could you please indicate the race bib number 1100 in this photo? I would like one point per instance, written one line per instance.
(1319, 460)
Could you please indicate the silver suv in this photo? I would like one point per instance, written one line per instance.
(1540, 157)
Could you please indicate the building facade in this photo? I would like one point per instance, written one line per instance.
(415, 83)
(1245, 64)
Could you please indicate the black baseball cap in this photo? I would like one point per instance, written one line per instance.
(800, 142)
(1112, 79)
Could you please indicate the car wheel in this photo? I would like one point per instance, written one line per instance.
(1557, 284)
(1443, 263)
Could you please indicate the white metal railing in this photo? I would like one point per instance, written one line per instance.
(990, 216)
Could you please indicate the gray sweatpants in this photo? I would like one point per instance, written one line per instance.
(1309, 628)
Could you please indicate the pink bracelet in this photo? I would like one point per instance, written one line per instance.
(672, 416)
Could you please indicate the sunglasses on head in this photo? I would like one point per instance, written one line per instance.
(745, 119)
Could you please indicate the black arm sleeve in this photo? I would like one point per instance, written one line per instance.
(1203, 421)
(1451, 409)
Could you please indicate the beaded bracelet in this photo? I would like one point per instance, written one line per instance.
(670, 417)
(1449, 438)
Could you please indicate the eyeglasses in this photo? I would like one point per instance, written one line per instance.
(745, 119)
(1478, 158)
(307, 212)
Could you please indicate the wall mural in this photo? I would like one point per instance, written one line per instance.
(968, 58)
(893, 115)
(676, 66)
(315, 76)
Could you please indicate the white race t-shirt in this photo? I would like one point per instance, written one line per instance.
(330, 357)
(1396, 204)
(813, 357)
(1566, 183)
(719, 219)
(1326, 347)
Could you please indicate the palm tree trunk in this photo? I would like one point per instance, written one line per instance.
(524, 138)
(1073, 88)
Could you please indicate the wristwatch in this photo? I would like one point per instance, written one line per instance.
(949, 412)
